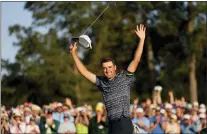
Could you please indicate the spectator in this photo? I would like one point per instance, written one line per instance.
(133, 108)
(168, 108)
(67, 126)
(36, 113)
(4, 122)
(150, 111)
(173, 127)
(148, 102)
(186, 126)
(32, 127)
(195, 106)
(99, 124)
(157, 122)
(59, 114)
(48, 124)
(194, 115)
(17, 126)
(89, 111)
(202, 122)
(179, 113)
(82, 122)
(27, 115)
(141, 121)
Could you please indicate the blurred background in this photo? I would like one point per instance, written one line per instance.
(36, 66)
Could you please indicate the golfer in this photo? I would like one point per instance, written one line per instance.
(114, 86)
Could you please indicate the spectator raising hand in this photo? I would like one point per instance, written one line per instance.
(68, 102)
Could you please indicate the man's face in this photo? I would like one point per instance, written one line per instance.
(109, 69)
(59, 109)
(187, 121)
(157, 113)
(140, 114)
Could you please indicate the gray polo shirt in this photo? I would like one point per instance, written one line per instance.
(116, 94)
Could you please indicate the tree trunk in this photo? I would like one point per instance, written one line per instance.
(192, 62)
(192, 79)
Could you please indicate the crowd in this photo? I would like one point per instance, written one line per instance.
(148, 116)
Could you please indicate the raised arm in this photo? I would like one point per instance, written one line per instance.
(81, 68)
(140, 31)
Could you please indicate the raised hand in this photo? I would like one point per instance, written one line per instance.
(73, 48)
(140, 31)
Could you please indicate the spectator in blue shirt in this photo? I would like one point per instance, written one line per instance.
(158, 122)
(59, 114)
(141, 121)
(186, 127)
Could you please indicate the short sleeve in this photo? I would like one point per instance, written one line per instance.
(100, 82)
(129, 76)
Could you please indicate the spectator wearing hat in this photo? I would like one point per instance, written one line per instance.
(32, 127)
(36, 113)
(81, 121)
(173, 127)
(168, 108)
(47, 124)
(201, 123)
(158, 122)
(149, 111)
(141, 121)
(186, 125)
(17, 126)
(195, 106)
(67, 126)
(99, 124)
(4, 122)
(27, 115)
(59, 114)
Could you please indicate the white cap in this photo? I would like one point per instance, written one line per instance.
(59, 105)
(174, 116)
(202, 115)
(17, 113)
(100, 104)
(202, 110)
(157, 108)
(162, 111)
(35, 107)
(158, 88)
(186, 116)
(195, 103)
(27, 109)
(168, 106)
(189, 106)
(202, 106)
(85, 41)
(139, 110)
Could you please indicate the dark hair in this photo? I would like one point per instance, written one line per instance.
(107, 60)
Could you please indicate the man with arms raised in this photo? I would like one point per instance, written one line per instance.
(115, 87)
